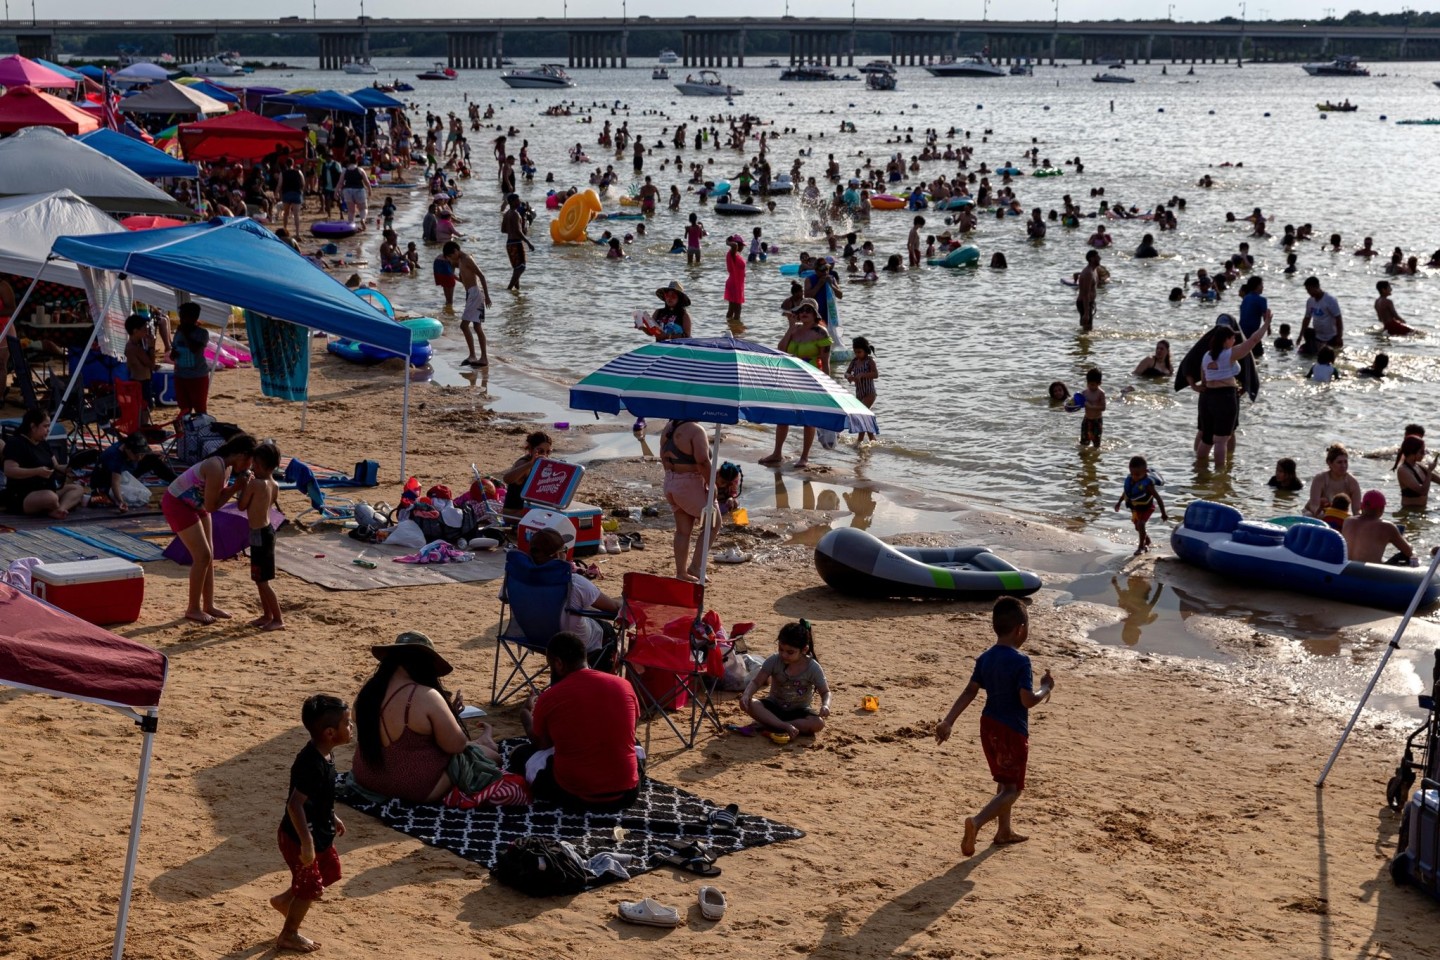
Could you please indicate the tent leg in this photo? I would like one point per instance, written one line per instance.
(80, 364)
(138, 813)
(405, 421)
(1390, 649)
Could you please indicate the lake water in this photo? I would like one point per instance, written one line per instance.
(966, 355)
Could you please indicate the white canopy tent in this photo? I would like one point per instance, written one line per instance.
(169, 97)
(42, 160)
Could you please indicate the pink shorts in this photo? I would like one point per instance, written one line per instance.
(687, 493)
(179, 514)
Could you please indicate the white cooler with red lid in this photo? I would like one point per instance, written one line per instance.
(107, 590)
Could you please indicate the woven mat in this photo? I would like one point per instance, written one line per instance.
(296, 554)
(116, 542)
(661, 813)
(49, 545)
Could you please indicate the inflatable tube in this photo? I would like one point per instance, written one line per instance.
(884, 201)
(1301, 557)
(575, 216)
(231, 354)
(860, 565)
(789, 269)
(353, 352)
(953, 203)
(1009, 171)
(333, 228)
(782, 184)
(629, 201)
(621, 216)
(1048, 172)
(423, 329)
(721, 188)
(420, 353)
(959, 257)
(727, 208)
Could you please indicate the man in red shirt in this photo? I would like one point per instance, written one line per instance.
(582, 730)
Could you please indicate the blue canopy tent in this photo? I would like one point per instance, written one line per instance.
(237, 261)
(213, 91)
(373, 99)
(330, 101)
(63, 71)
(138, 155)
(94, 73)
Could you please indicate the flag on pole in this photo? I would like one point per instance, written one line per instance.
(108, 112)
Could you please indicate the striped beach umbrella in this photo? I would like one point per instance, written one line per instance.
(723, 380)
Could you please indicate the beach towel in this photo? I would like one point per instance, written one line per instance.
(281, 352)
(661, 813)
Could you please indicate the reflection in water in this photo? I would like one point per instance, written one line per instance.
(828, 499)
(1136, 597)
(861, 502)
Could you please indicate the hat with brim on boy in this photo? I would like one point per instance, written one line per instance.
(674, 287)
(412, 640)
(808, 304)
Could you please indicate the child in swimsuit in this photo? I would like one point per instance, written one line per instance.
(1141, 496)
(1338, 512)
(862, 372)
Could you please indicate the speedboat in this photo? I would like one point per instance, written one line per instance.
(1112, 78)
(545, 75)
(1022, 68)
(214, 67)
(976, 65)
(707, 84)
(441, 72)
(668, 56)
(809, 72)
(659, 73)
(401, 86)
(880, 81)
(877, 66)
(359, 67)
(1339, 67)
(773, 64)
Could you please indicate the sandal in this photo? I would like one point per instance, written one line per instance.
(712, 903)
(696, 848)
(649, 913)
(727, 818)
(692, 863)
(749, 730)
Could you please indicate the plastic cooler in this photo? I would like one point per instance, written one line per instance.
(108, 590)
(578, 523)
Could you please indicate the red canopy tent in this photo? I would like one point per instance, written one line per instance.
(45, 650)
(24, 106)
(237, 136)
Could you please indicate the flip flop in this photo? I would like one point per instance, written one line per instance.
(749, 730)
(694, 863)
(696, 848)
(725, 819)
(648, 913)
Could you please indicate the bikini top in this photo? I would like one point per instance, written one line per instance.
(669, 452)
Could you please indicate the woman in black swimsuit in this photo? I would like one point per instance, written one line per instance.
(1157, 364)
(1413, 476)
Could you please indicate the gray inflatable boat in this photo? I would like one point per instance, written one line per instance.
(856, 563)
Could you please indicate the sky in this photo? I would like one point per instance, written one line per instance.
(913, 9)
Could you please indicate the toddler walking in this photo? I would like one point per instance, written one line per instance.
(862, 372)
(1141, 496)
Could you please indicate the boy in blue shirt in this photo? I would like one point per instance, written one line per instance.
(1003, 672)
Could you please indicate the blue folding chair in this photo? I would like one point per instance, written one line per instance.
(334, 509)
(532, 600)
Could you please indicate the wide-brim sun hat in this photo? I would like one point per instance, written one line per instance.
(414, 640)
(674, 287)
(808, 303)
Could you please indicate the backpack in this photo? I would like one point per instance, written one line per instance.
(202, 436)
(540, 867)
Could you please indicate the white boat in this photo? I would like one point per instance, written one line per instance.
(1109, 62)
(1339, 67)
(1112, 78)
(364, 67)
(773, 64)
(880, 81)
(877, 66)
(707, 83)
(668, 57)
(214, 67)
(545, 75)
(659, 73)
(808, 73)
(976, 65)
(441, 72)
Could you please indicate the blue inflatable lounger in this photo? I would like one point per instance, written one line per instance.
(1305, 557)
(856, 563)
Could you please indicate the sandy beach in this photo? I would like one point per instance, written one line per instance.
(1170, 808)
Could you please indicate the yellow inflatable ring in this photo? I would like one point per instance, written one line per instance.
(575, 214)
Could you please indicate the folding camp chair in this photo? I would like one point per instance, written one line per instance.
(130, 414)
(667, 653)
(532, 599)
(333, 509)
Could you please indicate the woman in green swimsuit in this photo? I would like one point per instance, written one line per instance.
(809, 339)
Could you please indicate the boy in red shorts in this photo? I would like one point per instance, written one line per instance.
(308, 831)
(1003, 672)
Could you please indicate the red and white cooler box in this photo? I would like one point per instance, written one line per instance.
(578, 524)
(107, 590)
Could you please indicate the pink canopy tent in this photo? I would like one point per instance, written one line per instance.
(25, 106)
(45, 650)
(18, 71)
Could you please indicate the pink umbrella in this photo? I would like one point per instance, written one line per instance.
(150, 222)
(18, 71)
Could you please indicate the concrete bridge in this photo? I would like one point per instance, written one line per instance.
(716, 42)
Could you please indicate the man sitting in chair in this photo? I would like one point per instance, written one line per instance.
(583, 754)
(598, 636)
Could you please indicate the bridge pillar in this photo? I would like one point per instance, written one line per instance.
(893, 49)
(36, 45)
(1149, 47)
(795, 47)
(740, 49)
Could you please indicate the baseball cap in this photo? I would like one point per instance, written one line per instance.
(1373, 500)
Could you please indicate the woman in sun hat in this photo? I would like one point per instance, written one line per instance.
(673, 319)
(410, 744)
(734, 281)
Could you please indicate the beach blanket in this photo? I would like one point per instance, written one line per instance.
(326, 557)
(281, 352)
(661, 813)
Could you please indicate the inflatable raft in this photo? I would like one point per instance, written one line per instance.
(1303, 557)
(858, 564)
(729, 208)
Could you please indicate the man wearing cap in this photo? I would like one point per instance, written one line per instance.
(583, 753)
(512, 224)
(1367, 535)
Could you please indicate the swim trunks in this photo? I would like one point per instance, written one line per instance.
(1006, 750)
(262, 554)
(474, 306)
(1090, 430)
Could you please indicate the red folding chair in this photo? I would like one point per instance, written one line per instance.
(130, 403)
(668, 654)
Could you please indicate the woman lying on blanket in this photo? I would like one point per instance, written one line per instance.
(411, 745)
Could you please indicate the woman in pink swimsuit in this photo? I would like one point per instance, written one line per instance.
(187, 505)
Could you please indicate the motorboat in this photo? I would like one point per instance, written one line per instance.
(545, 75)
(659, 73)
(773, 64)
(1339, 67)
(1112, 78)
(707, 83)
(216, 66)
(877, 66)
(880, 81)
(364, 67)
(440, 72)
(977, 65)
(808, 72)
(668, 57)
(402, 87)
(1022, 68)
(1328, 107)
(1109, 62)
